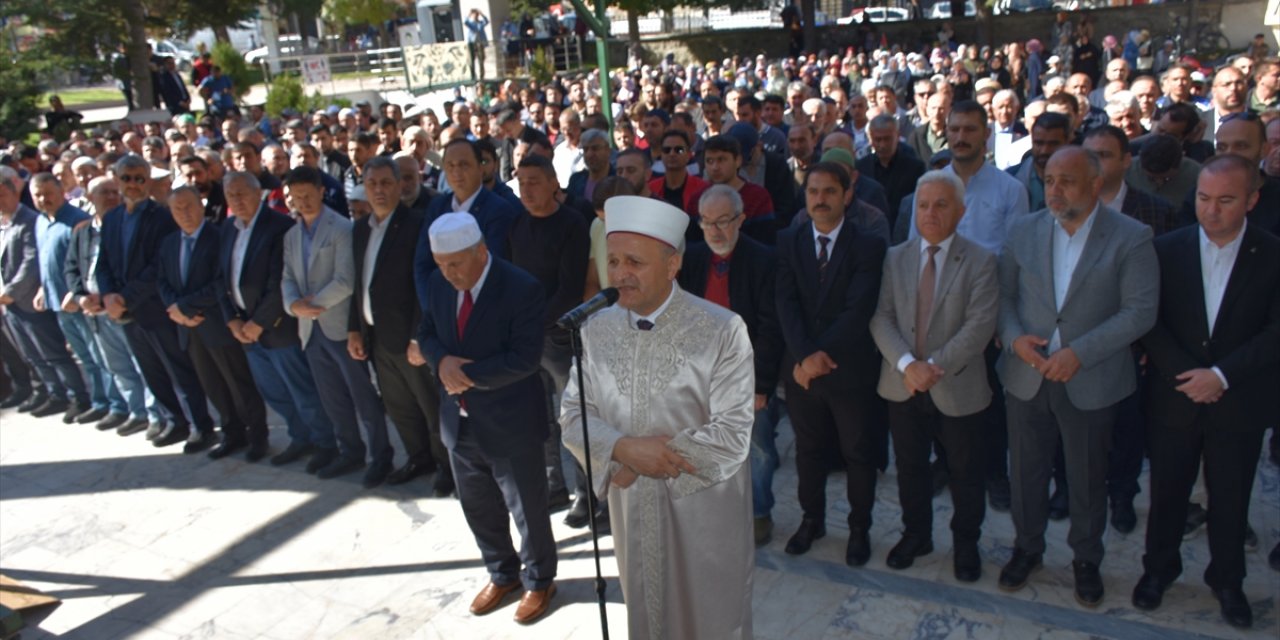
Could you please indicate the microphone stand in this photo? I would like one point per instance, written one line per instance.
(576, 338)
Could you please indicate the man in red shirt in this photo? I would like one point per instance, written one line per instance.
(723, 159)
(676, 186)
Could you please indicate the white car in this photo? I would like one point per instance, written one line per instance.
(876, 14)
(942, 10)
(290, 45)
(183, 55)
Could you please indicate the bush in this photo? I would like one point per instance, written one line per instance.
(287, 92)
(233, 66)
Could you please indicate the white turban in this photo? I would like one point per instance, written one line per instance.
(647, 217)
(454, 232)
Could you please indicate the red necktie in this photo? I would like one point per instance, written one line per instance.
(464, 312)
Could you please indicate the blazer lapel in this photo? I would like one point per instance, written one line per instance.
(1193, 280)
(808, 257)
(1239, 277)
(388, 239)
(954, 263)
(490, 294)
(839, 251)
(324, 227)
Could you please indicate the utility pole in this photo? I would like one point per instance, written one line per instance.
(598, 22)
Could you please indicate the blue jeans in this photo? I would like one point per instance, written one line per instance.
(764, 455)
(40, 339)
(285, 382)
(114, 346)
(349, 399)
(102, 389)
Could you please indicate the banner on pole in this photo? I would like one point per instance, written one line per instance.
(433, 65)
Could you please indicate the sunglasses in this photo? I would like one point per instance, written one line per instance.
(673, 149)
(137, 179)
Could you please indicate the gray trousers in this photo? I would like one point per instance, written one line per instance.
(1034, 428)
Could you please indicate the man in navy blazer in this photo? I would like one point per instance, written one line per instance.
(190, 284)
(483, 335)
(252, 263)
(493, 213)
(126, 273)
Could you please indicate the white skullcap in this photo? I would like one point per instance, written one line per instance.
(454, 232)
(82, 161)
(159, 174)
(357, 194)
(647, 217)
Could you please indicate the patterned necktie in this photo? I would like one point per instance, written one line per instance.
(644, 325)
(823, 241)
(924, 301)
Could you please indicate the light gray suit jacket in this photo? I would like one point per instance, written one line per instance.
(19, 269)
(329, 275)
(963, 321)
(1110, 303)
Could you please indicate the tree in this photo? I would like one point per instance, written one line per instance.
(20, 101)
(190, 16)
(358, 11)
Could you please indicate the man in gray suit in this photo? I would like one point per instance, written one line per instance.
(937, 312)
(1079, 283)
(319, 273)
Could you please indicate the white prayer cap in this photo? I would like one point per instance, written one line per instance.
(647, 217)
(158, 174)
(358, 195)
(454, 232)
(80, 162)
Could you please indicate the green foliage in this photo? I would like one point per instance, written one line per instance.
(186, 17)
(233, 66)
(542, 68)
(20, 99)
(287, 92)
(354, 12)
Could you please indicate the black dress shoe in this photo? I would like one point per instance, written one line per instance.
(558, 501)
(35, 401)
(810, 529)
(904, 554)
(112, 421)
(1088, 583)
(173, 435)
(999, 496)
(227, 447)
(321, 459)
(92, 415)
(198, 441)
(1059, 504)
(1235, 607)
(340, 466)
(15, 399)
(579, 514)
(1018, 570)
(256, 452)
(442, 486)
(967, 562)
(1149, 592)
(133, 426)
(409, 471)
(1274, 558)
(376, 474)
(858, 551)
(51, 407)
(154, 429)
(1123, 517)
(294, 452)
(74, 411)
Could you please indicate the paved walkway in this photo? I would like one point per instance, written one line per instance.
(148, 543)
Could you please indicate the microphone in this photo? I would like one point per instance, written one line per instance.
(579, 314)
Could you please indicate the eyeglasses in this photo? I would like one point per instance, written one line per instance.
(722, 225)
(673, 149)
(137, 179)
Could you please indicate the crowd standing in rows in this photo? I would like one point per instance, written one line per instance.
(1057, 260)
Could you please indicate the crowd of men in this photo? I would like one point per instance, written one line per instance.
(1040, 284)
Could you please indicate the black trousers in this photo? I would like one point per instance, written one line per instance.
(915, 425)
(490, 488)
(827, 421)
(412, 397)
(995, 435)
(19, 372)
(1230, 461)
(224, 373)
(168, 372)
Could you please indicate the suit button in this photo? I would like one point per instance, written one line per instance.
(1205, 343)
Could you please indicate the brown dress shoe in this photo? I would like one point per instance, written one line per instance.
(534, 603)
(491, 596)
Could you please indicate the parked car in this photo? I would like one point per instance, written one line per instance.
(1023, 6)
(290, 45)
(183, 55)
(942, 10)
(876, 14)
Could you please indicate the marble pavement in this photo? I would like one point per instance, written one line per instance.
(148, 543)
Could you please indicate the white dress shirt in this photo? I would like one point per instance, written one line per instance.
(1066, 254)
(939, 261)
(378, 233)
(465, 205)
(653, 317)
(238, 249)
(1216, 264)
(1117, 203)
(833, 234)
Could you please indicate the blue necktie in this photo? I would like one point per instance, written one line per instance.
(188, 247)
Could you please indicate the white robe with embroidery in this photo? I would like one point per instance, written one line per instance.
(684, 546)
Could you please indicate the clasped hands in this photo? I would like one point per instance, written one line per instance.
(176, 315)
(920, 376)
(246, 332)
(1059, 367)
(454, 379)
(305, 308)
(647, 456)
(1202, 386)
(815, 366)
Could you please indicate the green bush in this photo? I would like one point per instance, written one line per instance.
(233, 66)
(287, 92)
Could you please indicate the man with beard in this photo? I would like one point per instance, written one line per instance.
(1229, 90)
(195, 172)
(1050, 132)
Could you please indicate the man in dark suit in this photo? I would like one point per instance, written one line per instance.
(493, 213)
(195, 172)
(252, 265)
(126, 273)
(483, 336)
(384, 322)
(1215, 350)
(173, 90)
(827, 283)
(737, 272)
(891, 163)
(1244, 135)
(595, 155)
(190, 283)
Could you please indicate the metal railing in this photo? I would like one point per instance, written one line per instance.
(374, 66)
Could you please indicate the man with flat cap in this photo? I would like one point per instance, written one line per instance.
(670, 391)
(482, 335)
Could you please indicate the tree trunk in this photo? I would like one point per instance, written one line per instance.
(633, 27)
(222, 34)
(809, 15)
(139, 61)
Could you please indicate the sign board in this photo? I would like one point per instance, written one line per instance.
(409, 36)
(315, 70)
(433, 65)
